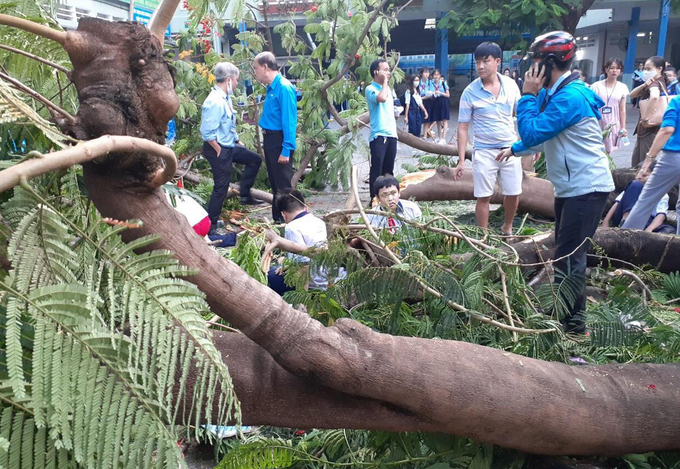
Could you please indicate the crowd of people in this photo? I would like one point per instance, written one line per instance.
(551, 111)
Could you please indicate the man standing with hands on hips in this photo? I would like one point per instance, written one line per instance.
(490, 102)
(560, 115)
(383, 139)
(221, 146)
(279, 125)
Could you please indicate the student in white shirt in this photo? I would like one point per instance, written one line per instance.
(306, 231)
(387, 188)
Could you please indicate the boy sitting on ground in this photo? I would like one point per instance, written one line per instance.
(624, 204)
(387, 189)
(305, 231)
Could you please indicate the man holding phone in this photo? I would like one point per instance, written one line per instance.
(559, 115)
(383, 139)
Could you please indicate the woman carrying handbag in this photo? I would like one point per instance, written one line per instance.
(653, 103)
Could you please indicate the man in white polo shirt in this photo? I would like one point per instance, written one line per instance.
(490, 102)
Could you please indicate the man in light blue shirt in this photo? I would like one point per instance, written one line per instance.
(383, 139)
(490, 103)
(279, 125)
(221, 146)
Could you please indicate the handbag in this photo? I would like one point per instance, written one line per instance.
(653, 109)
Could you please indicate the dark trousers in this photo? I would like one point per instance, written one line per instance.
(279, 174)
(221, 166)
(276, 282)
(383, 153)
(576, 218)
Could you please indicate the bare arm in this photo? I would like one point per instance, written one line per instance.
(607, 219)
(622, 115)
(662, 137)
(462, 145)
(385, 92)
(639, 91)
(657, 222)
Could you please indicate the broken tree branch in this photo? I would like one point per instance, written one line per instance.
(38, 58)
(35, 28)
(161, 18)
(37, 96)
(36, 163)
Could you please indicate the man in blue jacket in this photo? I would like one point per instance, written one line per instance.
(559, 114)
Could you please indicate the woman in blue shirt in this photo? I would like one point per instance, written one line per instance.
(666, 173)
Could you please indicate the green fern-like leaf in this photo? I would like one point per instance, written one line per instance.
(264, 454)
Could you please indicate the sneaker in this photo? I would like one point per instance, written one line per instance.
(250, 201)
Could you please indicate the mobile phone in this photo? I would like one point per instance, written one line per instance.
(547, 65)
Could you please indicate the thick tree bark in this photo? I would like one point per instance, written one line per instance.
(538, 196)
(455, 387)
(629, 246)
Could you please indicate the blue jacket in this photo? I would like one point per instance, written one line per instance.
(569, 133)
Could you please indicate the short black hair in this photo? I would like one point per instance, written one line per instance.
(488, 49)
(375, 66)
(563, 66)
(671, 69)
(290, 200)
(386, 180)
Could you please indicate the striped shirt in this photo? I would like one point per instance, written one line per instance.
(493, 122)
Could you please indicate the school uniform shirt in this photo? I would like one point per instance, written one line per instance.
(310, 231)
(426, 87)
(405, 209)
(280, 112)
(218, 120)
(493, 121)
(193, 211)
(383, 123)
(661, 207)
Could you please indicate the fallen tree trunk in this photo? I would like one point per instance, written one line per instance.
(621, 247)
(538, 196)
(234, 188)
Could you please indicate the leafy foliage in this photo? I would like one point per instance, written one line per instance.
(101, 342)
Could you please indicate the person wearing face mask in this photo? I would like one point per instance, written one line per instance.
(614, 94)
(559, 115)
(221, 146)
(653, 87)
(415, 109)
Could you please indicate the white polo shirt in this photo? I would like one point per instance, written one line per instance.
(493, 121)
(311, 231)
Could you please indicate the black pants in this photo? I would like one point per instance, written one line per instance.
(279, 174)
(576, 218)
(221, 166)
(383, 153)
